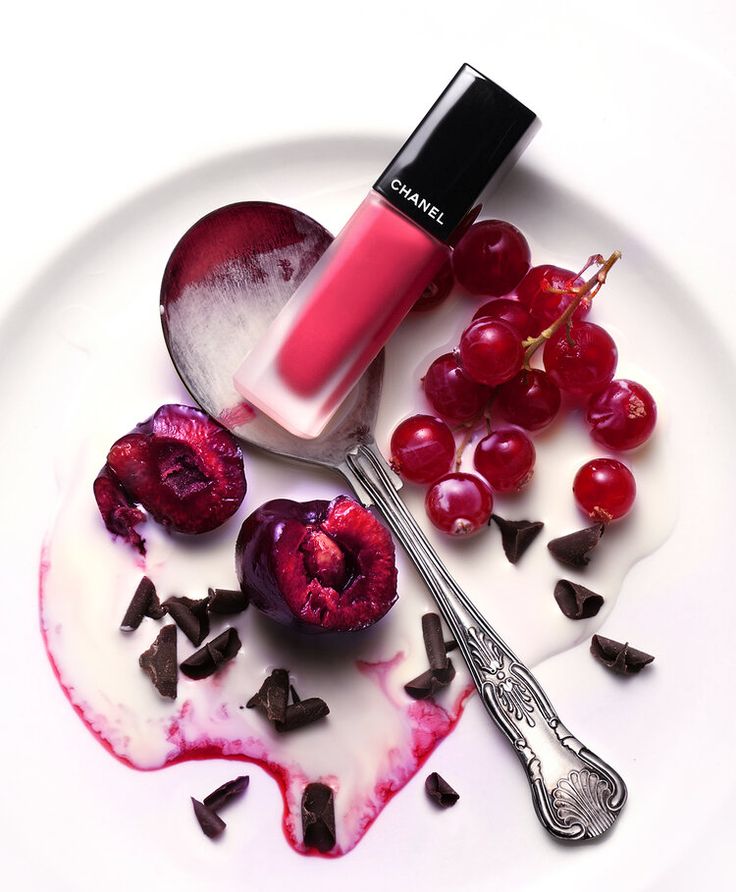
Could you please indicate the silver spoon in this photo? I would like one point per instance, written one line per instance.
(210, 321)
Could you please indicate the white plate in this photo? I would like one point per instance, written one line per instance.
(667, 731)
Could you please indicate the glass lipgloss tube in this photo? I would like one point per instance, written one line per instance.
(384, 257)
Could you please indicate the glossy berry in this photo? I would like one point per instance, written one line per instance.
(530, 399)
(622, 416)
(459, 504)
(604, 489)
(581, 360)
(511, 311)
(491, 258)
(452, 394)
(422, 448)
(437, 290)
(490, 351)
(506, 459)
(545, 307)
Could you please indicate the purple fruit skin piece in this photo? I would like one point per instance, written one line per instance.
(277, 566)
(117, 509)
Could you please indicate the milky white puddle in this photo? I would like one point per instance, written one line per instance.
(375, 738)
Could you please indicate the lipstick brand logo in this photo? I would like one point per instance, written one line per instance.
(426, 206)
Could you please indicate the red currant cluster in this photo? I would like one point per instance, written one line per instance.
(490, 372)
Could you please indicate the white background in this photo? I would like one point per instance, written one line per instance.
(100, 101)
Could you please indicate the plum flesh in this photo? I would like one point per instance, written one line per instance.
(181, 466)
(320, 566)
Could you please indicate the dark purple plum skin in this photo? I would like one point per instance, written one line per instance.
(266, 538)
(254, 552)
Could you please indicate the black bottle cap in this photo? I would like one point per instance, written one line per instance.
(439, 173)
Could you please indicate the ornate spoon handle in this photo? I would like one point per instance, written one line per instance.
(576, 795)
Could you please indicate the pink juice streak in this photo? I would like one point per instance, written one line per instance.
(368, 280)
(429, 724)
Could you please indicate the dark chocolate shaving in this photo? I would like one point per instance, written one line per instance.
(208, 659)
(440, 791)
(450, 646)
(430, 682)
(143, 603)
(619, 657)
(517, 535)
(191, 616)
(212, 824)
(229, 790)
(574, 548)
(318, 817)
(295, 698)
(272, 696)
(225, 601)
(434, 642)
(159, 662)
(302, 713)
(576, 601)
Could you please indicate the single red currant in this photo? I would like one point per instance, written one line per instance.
(604, 489)
(437, 290)
(582, 359)
(490, 351)
(531, 399)
(459, 504)
(536, 292)
(422, 448)
(452, 394)
(506, 459)
(622, 416)
(510, 311)
(491, 258)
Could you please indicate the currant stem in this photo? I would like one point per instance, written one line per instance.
(467, 437)
(589, 288)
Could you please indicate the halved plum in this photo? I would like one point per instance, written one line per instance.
(181, 466)
(320, 566)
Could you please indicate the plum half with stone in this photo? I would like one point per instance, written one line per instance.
(181, 466)
(319, 566)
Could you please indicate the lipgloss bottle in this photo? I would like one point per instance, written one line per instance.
(379, 264)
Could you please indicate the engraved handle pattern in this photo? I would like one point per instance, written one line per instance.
(576, 794)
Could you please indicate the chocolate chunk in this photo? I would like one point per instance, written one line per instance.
(430, 682)
(318, 817)
(450, 646)
(295, 698)
(159, 662)
(517, 535)
(272, 696)
(229, 790)
(191, 616)
(302, 713)
(576, 601)
(226, 601)
(208, 659)
(212, 824)
(574, 548)
(440, 791)
(434, 643)
(619, 657)
(143, 603)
